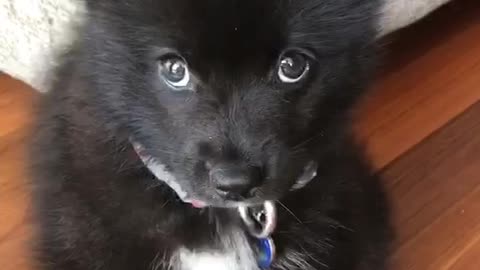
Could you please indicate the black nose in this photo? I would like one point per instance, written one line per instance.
(235, 182)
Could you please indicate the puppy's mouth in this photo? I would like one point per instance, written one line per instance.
(159, 170)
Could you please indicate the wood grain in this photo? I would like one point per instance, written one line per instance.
(432, 76)
(435, 189)
(16, 101)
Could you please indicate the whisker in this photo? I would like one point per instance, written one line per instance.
(301, 144)
(289, 211)
(311, 256)
(165, 203)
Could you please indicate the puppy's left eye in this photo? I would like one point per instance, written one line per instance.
(174, 71)
(293, 67)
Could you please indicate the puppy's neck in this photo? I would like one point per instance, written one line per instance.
(234, 252)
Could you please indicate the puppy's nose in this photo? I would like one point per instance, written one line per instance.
(235, 182)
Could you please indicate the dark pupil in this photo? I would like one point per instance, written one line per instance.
(293, 66)
(175, 70)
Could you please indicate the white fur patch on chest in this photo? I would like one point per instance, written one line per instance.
(235, 254)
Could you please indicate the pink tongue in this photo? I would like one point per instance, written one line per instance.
(198, 204)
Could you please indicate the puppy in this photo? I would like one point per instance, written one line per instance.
(214, 134)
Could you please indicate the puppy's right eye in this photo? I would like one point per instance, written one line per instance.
(174, 71)
(293, 67)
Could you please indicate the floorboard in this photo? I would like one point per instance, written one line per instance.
(432, 75)
(435, 190)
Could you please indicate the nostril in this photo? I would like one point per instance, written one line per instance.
(233, 188)
(234, 182)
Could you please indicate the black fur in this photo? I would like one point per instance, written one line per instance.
(100, 208)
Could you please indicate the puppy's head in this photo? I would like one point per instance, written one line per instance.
(233, 97)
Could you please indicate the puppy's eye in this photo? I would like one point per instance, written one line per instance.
(293, 67)
(174, 71)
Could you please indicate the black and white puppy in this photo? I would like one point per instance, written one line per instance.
(212, 134)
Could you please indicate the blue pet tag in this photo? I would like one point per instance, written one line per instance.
(266, 252)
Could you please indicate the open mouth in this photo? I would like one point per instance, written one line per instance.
(159, 170)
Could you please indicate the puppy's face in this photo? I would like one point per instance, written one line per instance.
(233, 97)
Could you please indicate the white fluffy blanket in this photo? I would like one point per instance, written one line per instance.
(34, 32)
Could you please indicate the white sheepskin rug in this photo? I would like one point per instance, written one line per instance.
(34, 32)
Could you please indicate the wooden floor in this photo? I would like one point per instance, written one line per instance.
(421, 123)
